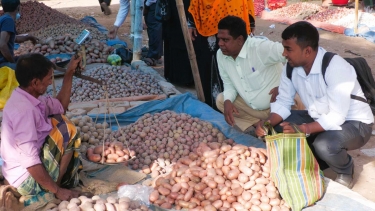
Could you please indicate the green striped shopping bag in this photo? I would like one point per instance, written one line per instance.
(294, 169)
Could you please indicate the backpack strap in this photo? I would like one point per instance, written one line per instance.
(325, 62)
(289, 70)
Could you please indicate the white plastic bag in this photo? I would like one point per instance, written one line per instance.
(138, 193)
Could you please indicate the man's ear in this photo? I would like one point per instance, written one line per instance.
(35, 82)
(240, 40)
(308, 51)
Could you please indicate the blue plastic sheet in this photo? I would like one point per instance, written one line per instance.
(185, 103)
(93, 23)
(366, 32)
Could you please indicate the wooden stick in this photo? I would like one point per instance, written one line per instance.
(356, 17)
(190, 49)
(137, 29)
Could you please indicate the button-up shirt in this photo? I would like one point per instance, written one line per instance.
(24, 129)
(328, 102)
(255, 71)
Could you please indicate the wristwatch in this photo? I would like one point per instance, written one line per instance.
(307, 130)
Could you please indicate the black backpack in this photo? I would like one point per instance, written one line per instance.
(364, 77)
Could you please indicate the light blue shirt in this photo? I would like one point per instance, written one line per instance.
(254, 73)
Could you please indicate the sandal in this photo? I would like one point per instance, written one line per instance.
(150, 61)
(106, 9)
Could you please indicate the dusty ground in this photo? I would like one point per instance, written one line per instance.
(364, 163)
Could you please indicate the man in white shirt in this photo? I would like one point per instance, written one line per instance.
(250, 69)
(332, 121)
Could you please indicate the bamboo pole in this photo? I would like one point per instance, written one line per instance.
(132, 15)
(356, 17)
(190, 49)
(138, 28)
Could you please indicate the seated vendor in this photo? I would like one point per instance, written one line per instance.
(39, 145)
(8, 34)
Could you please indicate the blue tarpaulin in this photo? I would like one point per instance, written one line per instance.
(185, 103)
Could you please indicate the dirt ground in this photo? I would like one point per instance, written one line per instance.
(345, 46)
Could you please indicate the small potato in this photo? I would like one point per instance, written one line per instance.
(123, 205)
(99, 207)
(122, 159)
(109, 207)
(209, 207)
(265, 207)
(71, 205)
(112, 156)
(166, 205)
(96, 197)
(75, 200)
(164, 191)
(111, 200)
(63, 205)
(110, 161)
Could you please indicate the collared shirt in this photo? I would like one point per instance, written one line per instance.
(329, 104)
(254, 73)
(24, 129)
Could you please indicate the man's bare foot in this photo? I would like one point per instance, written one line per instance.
(106, 9)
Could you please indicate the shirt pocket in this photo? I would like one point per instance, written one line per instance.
(254, 80)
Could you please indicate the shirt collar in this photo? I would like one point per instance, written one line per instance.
(317, 65)
(243, 52)
(35, 102)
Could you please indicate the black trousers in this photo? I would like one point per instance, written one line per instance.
(154, 32)
(330, 147)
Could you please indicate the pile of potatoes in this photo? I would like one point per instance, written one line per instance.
(111, 152)
(92, 134)
(219, 177)
(73, 29)
(120, 82)
(96, 203)
(96, 51)
(162, 138)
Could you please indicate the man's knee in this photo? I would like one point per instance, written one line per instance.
(220, 102)
(324, 146)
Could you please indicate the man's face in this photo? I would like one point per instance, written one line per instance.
(228, 45)
(293, 52)
(41, 85)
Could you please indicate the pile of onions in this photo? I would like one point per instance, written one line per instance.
(120, 82)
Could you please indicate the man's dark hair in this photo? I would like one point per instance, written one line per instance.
(30, 66)
(305, 33)
(10, 5)
(235, 25)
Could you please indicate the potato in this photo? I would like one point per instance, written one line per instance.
(86, 206)
(154, 196)
(164, 191)
(99, 207)
(209, 207)
(166, 205)
(111, 200)
(63, 205)
(109, 207)
(71, 205)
